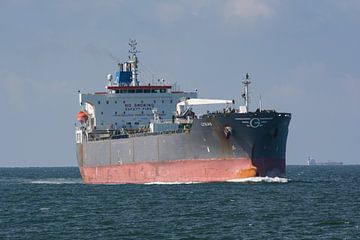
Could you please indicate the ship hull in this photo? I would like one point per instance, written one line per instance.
(255, 147)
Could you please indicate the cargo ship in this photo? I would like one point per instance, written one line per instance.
(312, 162)
(148, 133)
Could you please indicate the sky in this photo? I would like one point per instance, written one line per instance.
(303, 57)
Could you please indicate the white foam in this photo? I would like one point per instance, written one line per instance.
(169, 183)
(57, 181)
(238, 180)
(260, 179)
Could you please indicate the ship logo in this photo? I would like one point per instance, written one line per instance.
(253, 122)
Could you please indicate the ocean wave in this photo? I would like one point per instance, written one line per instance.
(259, 180)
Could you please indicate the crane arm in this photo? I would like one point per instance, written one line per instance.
(198, 101)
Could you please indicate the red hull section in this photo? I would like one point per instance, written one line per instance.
(208, 170)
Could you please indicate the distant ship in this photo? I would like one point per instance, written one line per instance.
(143, 133)
(313, 162)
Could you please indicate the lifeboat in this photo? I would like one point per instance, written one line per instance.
(82, 116)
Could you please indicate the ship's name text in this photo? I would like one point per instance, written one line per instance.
(206, 124)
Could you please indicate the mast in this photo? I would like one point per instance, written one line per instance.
(245, 95)
(133, 60)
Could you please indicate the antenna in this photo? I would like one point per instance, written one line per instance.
(133, 60)
(133, 50)
(260, 104)
(245, 95)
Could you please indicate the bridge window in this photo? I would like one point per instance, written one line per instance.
(98, 102)
(102, 113)
(115, 102)
(154, 101)
(115, 113)
(123, 101)
(170, 101)
(107, 102)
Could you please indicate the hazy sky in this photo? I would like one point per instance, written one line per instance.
(303, 57)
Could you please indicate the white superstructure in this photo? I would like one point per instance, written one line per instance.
(131, 107)
(127, 104)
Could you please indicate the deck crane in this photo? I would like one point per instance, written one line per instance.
(183, 107)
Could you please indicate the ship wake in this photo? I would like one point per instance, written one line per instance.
(57, 181)
(238, 180)
(169, 183)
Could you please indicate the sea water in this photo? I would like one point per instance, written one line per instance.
(320, 202)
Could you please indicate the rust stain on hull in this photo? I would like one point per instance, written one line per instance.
(247, 172)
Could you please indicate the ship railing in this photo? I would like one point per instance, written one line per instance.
(102, 137)
(156, 133)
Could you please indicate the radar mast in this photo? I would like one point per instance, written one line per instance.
(245, 95)
(133, 60)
